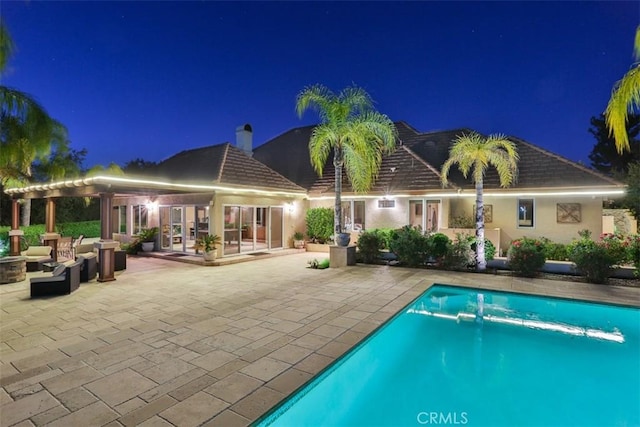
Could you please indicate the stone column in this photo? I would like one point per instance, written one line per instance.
(106, 260)
(15, 232)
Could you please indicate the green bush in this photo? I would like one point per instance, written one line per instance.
(554, 251)
(74, 229)
(459, 255)
(616, 246)
(489, 248)
(4, 247)
(596, 260)
(319, 224)
(385, 235)
(369, 245)
(593, 260)
(438, 245)
(410, 246)
(632, 243)
(525, 256)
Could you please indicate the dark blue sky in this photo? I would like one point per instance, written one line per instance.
(149, 79)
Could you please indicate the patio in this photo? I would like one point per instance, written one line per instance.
(178, 344)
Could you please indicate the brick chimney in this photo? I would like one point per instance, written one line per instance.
(244, 139)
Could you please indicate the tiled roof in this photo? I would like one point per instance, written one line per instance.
(401, 171)
(288, 154)
(221, 164)
(418, 161)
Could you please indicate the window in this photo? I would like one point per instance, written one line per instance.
(119, 219)
(122, 219)
(525, 212)
(353, 215)
(139, 218)
(384, 203)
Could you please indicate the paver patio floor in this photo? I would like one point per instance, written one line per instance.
(177, 344)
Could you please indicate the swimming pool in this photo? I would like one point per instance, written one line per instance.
(460, 356)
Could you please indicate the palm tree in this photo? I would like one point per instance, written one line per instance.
(354, 130)
(473, 152)
(625, 97)
(27, 132)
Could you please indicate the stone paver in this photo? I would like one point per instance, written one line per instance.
(172, 344)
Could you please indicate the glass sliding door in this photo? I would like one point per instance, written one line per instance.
(231, 241)
(165, 227)
(252, 228)
(276, 218)
(247, 232)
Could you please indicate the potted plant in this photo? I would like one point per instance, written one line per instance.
(209, 243)
(298, 240)
(147, 237)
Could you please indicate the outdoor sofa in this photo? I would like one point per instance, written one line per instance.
(36, 256)
(64, 280)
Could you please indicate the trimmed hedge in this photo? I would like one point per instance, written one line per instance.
(74, 229)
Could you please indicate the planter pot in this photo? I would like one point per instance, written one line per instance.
(210, 255)
(148, 246)
(342, 239)
(298, 244)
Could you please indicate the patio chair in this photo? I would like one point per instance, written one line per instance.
(64, 280)
(89, 268)
(65, 250)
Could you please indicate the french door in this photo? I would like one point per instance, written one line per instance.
(252, 228)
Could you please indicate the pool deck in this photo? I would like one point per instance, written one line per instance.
(185, 345)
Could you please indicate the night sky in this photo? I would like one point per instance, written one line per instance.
(149, 79)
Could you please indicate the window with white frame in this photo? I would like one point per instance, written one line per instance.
(526, 212)
(122, 219)
(139, 218)
(353, 215)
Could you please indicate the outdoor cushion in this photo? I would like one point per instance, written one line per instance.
(36, 251)
(59, 270)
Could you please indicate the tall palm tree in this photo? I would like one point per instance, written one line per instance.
(27, 132)
(354, 130)
(473, 152)
(624, 98)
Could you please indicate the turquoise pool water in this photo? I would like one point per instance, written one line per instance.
(459, 356)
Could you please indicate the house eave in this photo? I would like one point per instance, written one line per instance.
(97, 184)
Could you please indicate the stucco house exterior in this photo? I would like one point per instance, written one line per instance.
(256, 198)
(552, 197)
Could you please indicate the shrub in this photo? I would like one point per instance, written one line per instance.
(554, 251)
(489, 248)
(615, 245)
(369, 245)
(632, 243)
(438, 245)
(525, 256)
(319, 224)
(75, 229)
(459, 255)
(593, 260)
(4, 247)
(385, 235)
(409, 245)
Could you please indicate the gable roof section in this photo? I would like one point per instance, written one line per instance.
(401, 171)
(288, 154)
(221, 164)
(418, 161)
(537, 168)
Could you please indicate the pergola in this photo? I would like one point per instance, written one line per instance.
(104, 187)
